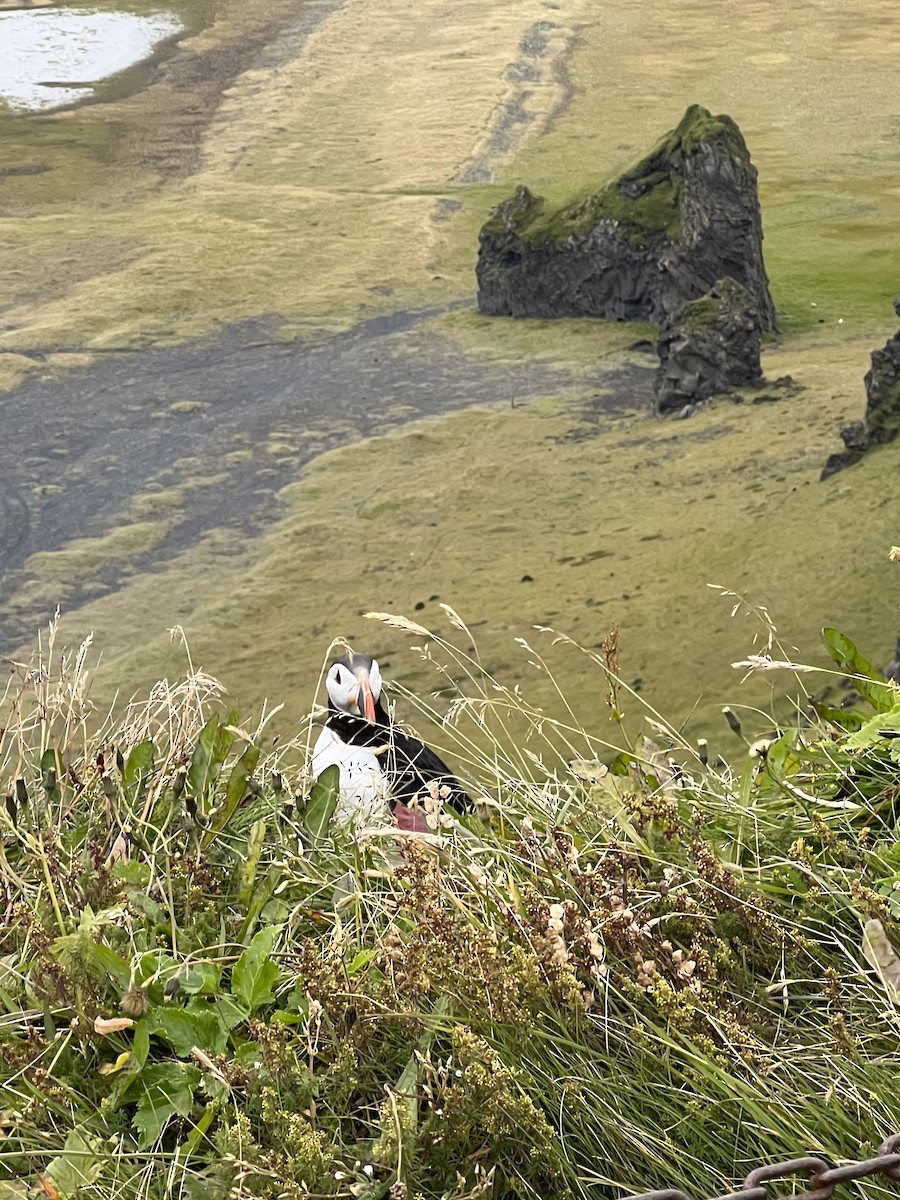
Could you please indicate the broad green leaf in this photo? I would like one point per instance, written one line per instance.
(275, 911)
(780, 764)
(282, 1017)
(136, 874)
(101, 959)
(155, 965)
(320, 806)
(168, 1090)
(258, 900)
(225, 738)
(844, 718)
(248, 1054)
(201, 978)
(868, 682)
(138, 767)
(77, 1166)
(361, 959)
(780, 758)
(621, 764)
(235, 791)
(212, 748)
(251, 862)
(140, 1046)
(49, 1023)
(200, 770)
(255, 974)
(127, 1076)
(213, 1088)
(297, 1002)
(876, 729)
(148, 906)
(185, 1030)
(81, 951)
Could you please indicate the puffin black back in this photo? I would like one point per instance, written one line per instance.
(412, 766)
(409, 765)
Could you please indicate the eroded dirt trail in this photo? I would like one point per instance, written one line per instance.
(114, 468)
(303, 163)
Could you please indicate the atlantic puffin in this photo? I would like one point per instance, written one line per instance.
(382, 769)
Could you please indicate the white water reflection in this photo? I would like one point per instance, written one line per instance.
(51, 57)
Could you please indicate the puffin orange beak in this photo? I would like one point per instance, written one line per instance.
(368, 703)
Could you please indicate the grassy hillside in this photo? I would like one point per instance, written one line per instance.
(616, 518)
(619, 520)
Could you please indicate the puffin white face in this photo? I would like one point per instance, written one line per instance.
(354, 685)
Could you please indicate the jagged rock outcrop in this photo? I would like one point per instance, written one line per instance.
(659, 235)
(708, 346)
(882, 420)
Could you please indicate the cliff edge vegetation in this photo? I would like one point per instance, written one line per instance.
(635, 967)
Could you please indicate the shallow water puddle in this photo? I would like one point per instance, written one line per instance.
(52, 57)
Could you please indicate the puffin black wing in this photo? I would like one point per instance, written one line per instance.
(412, 765)
(409, 765)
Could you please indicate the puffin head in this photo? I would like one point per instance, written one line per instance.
(354, 685)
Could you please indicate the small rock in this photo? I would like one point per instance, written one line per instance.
(708, 347)
(881, 422)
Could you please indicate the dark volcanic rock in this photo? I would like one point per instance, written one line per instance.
(708, 346)
(659, 235)
(882, 420)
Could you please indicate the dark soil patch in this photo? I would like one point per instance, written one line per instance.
(244, 411)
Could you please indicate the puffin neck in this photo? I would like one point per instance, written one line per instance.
(356, 729)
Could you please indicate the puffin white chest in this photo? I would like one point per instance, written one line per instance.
(364, 794)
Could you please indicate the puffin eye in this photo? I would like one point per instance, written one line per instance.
(337, 676)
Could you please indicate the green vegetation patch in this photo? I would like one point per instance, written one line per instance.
(629, 969)
(84, 555)
(698, 127)
(651, 216)
(698, 315)
(644, 201)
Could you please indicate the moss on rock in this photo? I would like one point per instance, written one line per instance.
(650, 217)
(698, 128)
(644, 200)
(661, 233)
